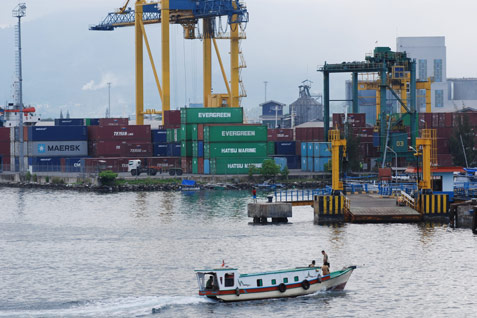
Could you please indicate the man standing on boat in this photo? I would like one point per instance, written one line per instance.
(325, 259)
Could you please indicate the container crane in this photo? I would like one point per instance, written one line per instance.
(186, 13)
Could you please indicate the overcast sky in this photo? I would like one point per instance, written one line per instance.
(66, 66)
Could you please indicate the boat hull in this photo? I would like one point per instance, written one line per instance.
(326, 283)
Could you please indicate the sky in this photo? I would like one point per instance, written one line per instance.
(66, 67)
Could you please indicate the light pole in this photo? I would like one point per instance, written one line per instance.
(109, 99)
(265, 82)
(395, 158)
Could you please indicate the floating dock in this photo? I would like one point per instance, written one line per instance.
(369, 208)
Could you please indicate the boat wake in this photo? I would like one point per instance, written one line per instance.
(120, 307)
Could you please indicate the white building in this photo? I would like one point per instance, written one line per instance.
(430, 55)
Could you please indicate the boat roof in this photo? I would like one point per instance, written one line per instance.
(281, 271)
(216, 269)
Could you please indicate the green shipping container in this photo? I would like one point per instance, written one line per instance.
(239, 149)
(270, 148)
(188, 132)
(195, 165)
(186, 149)
(195, 149)
(244, 133)
(220, 115)
(234, 165)
(173, 135)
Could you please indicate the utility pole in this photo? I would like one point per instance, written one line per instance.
(19, 12)
(109, 99)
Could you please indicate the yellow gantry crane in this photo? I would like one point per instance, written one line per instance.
(187, 13)
(336, 144)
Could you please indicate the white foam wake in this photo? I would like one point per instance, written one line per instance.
(120, 307)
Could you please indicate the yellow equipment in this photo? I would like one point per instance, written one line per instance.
(336, 143)
(424, 149)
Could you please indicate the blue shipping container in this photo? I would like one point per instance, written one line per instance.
(206, 166)
(304, 162)
(44, 164)
(159, 149)
(293, 162)
(309, 164)
(200, 150)
(94, 121)
(322, 149)
(320, 164)
(74, 165)
(57, 133)
(281, 161)
(309, 149)
(174, 149)
(304, 147)
(285, 148)
(69, 122)
(159, 135)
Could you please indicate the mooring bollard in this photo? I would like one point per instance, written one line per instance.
(474, 221)
(270, 198)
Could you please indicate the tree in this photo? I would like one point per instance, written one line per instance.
(285, 172)
(269, 168)
(107, 177)
(463, 130)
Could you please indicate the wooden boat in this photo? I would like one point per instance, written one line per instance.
(227, 284)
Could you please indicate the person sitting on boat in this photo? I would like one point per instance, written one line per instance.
(325, 270)
(210, 283)
(313, 264)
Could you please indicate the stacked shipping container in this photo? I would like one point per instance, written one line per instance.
(315, 156)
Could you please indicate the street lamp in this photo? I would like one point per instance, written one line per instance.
(395, 158)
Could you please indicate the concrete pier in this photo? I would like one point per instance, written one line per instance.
(277, 211)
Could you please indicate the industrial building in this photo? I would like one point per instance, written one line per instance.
(272, 114)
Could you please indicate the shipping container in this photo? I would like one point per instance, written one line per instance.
(445, 160)
(285, 148)
(174, 135)
(200, 165)
(279, 134)
(195, 165)
(57, 133)
(113, 121)
(5, 134)
(220, 115)
(321, 164)
(172, 119)
(5, 148)
(240, 149)
(304, 149)
(158, 135)
(206, 166)
(443, 146)
(160, 149)
(235, 133)
(69, 122)
(270, 148)
(304, 164)
(353, 119)
(164, 163)
(72, 165)
(95, 165)
(58, 148)
(188, 132)
(133, 133)
(200, 132)
(186, 149)
(198, 149)
(174, 149)
(298, 148)
(293, 162)
(186, 164)
(309, 134)
(309, 164)
(120, 149)
(322, 149)
(234, 165)
(310, 148)
(44, 164)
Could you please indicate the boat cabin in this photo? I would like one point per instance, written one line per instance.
(217, 279)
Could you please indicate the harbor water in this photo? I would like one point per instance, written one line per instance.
(70, 254)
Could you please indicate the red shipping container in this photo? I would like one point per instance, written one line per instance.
(134, 133)
(164, 163)
(120, 149)
(5, 163)
(280, 134)
(113, 121)
(442, 146)
(445, 160)
(4, 134)
(113, 164)
(445, 132)
(186, 164)
(298, 148)
(200, 132)
(4, 148)
(448, 120)
(143, 149)
(200, 164)
(172, 119)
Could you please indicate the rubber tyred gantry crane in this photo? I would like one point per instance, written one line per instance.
(186, 13)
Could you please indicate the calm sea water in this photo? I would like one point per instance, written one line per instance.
(68, 254)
